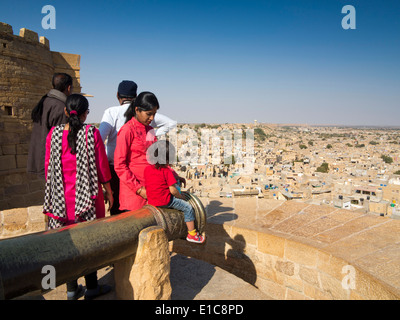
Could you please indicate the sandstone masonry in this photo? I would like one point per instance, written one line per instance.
(26, 68)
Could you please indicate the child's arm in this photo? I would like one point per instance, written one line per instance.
(174, 191)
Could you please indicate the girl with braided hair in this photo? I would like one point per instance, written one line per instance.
(76, 167)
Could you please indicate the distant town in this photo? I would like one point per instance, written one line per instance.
(354, 168)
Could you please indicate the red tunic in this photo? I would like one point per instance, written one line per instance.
(133, 140)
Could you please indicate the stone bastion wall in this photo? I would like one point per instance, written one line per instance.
(287, 249)
(26, 69)
(293, 250)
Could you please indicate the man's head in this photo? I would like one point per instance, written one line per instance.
(62, 82)
(127, 91)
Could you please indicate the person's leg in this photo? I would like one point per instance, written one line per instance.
(91, 280)
(94, 290)
(72, 286)
(114, 183)
(182, 205)
(74, 291)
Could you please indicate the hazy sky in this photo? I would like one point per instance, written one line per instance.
(277, 61)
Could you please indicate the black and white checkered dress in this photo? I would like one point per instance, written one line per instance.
(86, 179)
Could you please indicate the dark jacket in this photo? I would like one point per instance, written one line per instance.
(53, 115)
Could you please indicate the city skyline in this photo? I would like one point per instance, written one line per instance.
(282, 62)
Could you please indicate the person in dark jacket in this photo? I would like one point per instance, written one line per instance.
(48, 113)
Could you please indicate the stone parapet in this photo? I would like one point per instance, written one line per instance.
(21, 221)
(288, 250)
(292, 250)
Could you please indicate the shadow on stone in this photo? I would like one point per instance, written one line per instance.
(188, 277)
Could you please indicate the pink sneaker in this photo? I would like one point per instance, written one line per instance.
(198, 238)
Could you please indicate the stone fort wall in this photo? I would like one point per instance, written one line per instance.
(26, 68)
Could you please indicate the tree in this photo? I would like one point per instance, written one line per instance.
(260, 134)
(387, 159)
(324, 168)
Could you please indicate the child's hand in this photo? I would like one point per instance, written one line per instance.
(182, 181)
(142, 192)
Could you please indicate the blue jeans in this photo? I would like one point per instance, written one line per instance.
(184, 206)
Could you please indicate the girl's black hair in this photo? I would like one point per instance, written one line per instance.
(78, 105)
(145, 101)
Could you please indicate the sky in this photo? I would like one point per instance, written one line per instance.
(233, 61)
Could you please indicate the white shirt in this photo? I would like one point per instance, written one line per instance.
(113, 119)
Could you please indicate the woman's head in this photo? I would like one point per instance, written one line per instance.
(77, 109)
(77, 104)
(143, 108)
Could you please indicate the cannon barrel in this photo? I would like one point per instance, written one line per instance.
(82, 248)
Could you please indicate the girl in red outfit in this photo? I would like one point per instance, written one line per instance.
(133, 140)
(160, 182)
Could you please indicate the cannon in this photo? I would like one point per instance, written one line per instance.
(79, 249)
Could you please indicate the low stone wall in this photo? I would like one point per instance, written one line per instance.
(21, 221)
(287, 249)
(292, 250)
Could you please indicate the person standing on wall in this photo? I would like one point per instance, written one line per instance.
(112, 121)
(48, 113)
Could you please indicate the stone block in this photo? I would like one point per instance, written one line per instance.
(286, 267)
(334, 288)
(271, 244)
(29, 35)
(15, 220)
(272, 289)
(294, 295)
(7, 162)
(301, 254)
(146, 275)
(309, 275)
(22, 160)
(6, 28)
(35, 214)
(45, 41)
(315, 293)
(9, 149)
(16, 190)
(22, 148)
(249, 236)
(152, 266)
(331, 265)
